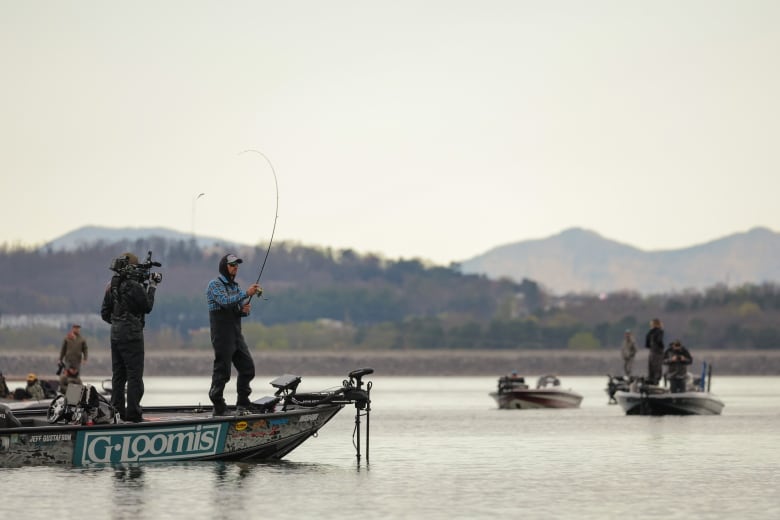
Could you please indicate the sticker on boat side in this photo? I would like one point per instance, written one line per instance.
(149, 444)
(49, 437)
(241, 425)
(309, 417)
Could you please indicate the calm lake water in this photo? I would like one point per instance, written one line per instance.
(439, 448)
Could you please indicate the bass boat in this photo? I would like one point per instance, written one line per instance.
(642, 398)
(514, 393)
(80, 428)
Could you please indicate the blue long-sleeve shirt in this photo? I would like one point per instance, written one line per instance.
(221, 293)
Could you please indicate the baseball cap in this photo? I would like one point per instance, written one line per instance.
(233, 259)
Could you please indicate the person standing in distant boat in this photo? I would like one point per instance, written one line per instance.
(628, 351)
(677, 358)
(228, 304)
(72, 354)
(655, 342)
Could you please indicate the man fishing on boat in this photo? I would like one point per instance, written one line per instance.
(228, 304)
(677, 358)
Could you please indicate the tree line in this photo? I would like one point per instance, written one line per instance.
(320, 298)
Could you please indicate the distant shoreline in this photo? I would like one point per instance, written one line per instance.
(16, 364)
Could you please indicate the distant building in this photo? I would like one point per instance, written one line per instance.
(57, 321)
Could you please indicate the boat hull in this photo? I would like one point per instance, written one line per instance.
(166, 434)
(683, 403)
(536, 398)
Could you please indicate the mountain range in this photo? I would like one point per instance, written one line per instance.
(579, 260)
(574, 261)
(89, 235)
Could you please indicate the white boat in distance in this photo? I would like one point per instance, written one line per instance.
(647, 399)
(514, 393)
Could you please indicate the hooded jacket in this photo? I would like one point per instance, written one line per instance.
(223, 293)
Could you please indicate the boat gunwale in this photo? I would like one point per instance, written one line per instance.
(38, 414)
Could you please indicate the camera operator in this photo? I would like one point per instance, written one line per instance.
(128, 298)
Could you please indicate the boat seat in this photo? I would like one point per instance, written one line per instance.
(286, 384)
(547, 380)
(266, 404)
(7, 418)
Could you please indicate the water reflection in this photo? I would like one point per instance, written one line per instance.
(129, 491)
(230, 472)
(129, 474)
(454, 455)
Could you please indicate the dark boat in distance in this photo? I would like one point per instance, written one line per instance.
(641, 398)
(514, 393)
(80, 428)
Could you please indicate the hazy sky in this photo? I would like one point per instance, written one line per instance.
(430, 129)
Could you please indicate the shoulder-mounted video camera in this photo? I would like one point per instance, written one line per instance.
(141, 273)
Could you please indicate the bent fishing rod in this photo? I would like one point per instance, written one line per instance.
(276, 217)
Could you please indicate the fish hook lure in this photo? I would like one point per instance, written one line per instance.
(276, 217)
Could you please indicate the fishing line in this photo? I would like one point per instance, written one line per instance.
(273, 231)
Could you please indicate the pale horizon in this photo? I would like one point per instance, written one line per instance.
(436, 130)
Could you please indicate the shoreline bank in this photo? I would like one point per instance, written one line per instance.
(17, 364)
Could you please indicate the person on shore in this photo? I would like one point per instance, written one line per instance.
(129, 297)
(227, 305)
(73, 353)
(628, 352)
(677, 358)
(5, 392)
(654, 341)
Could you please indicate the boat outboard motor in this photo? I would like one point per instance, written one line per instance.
(7, 418)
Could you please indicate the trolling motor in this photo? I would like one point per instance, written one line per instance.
(618, 383)
(353, 392)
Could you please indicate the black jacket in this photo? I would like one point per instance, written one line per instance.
(125, 304)
(655, 340)
(678, 369)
